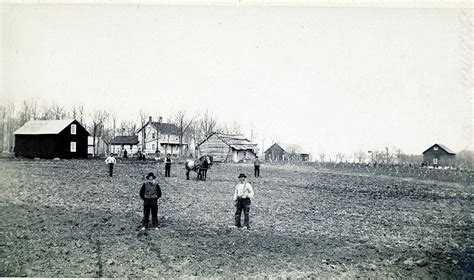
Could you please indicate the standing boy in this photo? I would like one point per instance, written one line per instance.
(168, 165)
(243, 193)
(150, 192)
(111, 162)
(256, 165)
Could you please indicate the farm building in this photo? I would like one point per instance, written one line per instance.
(51, 139)
(121, 143)
(286, 152)
(101, 146)
(438, 155)
(161, 138)
(227, 147)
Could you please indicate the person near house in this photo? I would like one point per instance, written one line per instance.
(111, 162)
(125, 154)
(242, 195)
(256, 165)
(150, 192)
(168, 165)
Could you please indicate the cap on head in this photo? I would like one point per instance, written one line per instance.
(242, 175)
(150, 175)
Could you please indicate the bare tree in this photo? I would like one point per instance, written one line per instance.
(322, 156)
(183, 122)
(29, 110)
(99, 118)
(360, 156)
(340, 157)
(7, 109)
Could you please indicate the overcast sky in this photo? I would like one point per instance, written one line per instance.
(329, 79)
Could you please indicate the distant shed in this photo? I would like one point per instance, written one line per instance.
(51, 139)
(122, 143)
(227, 147)
(438, 155)
(286, 152)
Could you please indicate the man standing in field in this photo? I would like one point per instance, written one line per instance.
(150, 193)
(256, 165)
(243, 193)
(111, 162)
(168, 165)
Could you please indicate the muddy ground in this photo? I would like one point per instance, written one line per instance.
(68, 219)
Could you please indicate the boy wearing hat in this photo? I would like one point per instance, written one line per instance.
(243, 193)
(168, 165)
(150, 192)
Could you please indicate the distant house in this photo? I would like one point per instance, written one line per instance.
(159, 137)
(286, 152)
(122, 143)
(101, 146)
(227, 147)
(438, 155)
(51, 139)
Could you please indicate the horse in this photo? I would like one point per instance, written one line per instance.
(200, 166)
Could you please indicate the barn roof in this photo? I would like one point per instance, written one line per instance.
(125, 140)
(446, 149)
(39, 127)
(235, 141)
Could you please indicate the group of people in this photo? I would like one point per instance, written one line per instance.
(150, 192)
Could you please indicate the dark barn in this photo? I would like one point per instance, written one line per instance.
(286, 152)
(51, 139)
(438, 155)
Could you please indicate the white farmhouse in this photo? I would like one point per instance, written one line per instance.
(160, 138)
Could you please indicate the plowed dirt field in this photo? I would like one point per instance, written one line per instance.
(67, 218)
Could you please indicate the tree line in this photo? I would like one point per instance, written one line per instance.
(193, 128)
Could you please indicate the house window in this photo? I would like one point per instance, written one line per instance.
(73, 129)
(153, 135)
(435, 148)
(73, 147)
(152, 146)
(435, 161)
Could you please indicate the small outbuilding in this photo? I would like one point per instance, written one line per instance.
(286, 152)
(121, 143)
(64, 139)
(227, 148)
(438, 155)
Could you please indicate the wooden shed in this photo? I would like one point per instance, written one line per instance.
(438, 155)
(51, 139)
(286, 152)
(227, 148)
(124, 143)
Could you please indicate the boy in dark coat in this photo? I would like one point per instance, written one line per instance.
(150, 193)
(168, 165)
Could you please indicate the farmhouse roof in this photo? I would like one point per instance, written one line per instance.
(235, 141)
(166, 128)
(125, 140)
(446, 149)
(39, 127)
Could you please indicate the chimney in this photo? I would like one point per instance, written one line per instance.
(149, 119)
(160, 120)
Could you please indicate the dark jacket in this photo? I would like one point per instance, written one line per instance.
(150, 191)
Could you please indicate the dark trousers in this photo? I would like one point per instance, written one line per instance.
(150, 204)
(257, 171)
(167, 169)
(242, 204)
(111, 169)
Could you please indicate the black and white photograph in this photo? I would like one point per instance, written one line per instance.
(237, 139)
